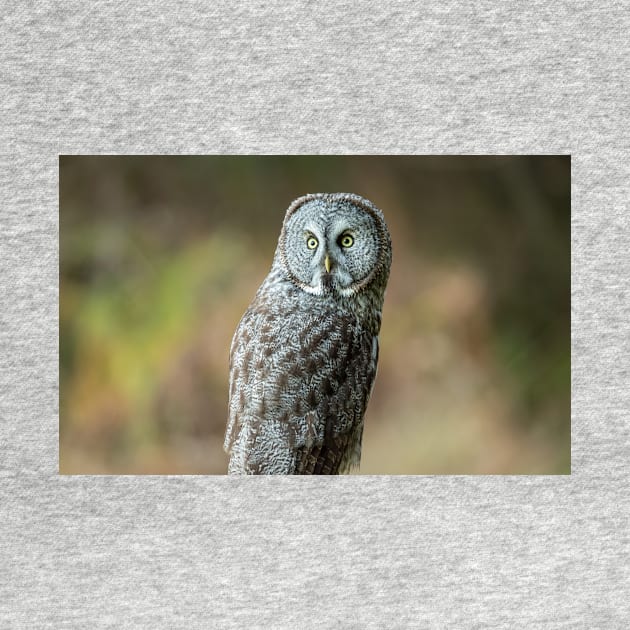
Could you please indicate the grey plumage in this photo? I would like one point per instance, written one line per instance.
(303, 357)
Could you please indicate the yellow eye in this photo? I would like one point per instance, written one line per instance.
(346, 241)
(311, 242)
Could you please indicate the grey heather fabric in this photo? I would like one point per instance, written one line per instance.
(351, 552)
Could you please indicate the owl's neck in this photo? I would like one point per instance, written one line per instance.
(366, 305)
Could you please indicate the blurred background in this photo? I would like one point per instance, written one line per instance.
(160, 256)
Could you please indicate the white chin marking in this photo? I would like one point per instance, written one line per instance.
(319, 290)
(316, 290)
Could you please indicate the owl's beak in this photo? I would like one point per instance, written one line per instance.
(327, 263)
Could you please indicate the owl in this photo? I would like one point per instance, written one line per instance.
(303, 357)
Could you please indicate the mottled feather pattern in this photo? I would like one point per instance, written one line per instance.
(302, 366)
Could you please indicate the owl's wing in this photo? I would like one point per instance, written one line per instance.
(298, 392)
(329, 457)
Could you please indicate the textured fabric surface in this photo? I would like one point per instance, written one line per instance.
(388, 552)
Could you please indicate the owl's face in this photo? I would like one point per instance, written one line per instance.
(334, 242)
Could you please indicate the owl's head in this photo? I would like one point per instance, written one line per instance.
(334, 243)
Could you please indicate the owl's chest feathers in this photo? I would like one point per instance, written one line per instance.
(306, 364)
(290, 343)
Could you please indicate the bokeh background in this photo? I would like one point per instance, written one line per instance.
(160, 256)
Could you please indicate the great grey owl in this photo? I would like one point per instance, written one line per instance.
(303, 357)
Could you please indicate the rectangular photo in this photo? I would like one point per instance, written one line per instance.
(374, 315)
